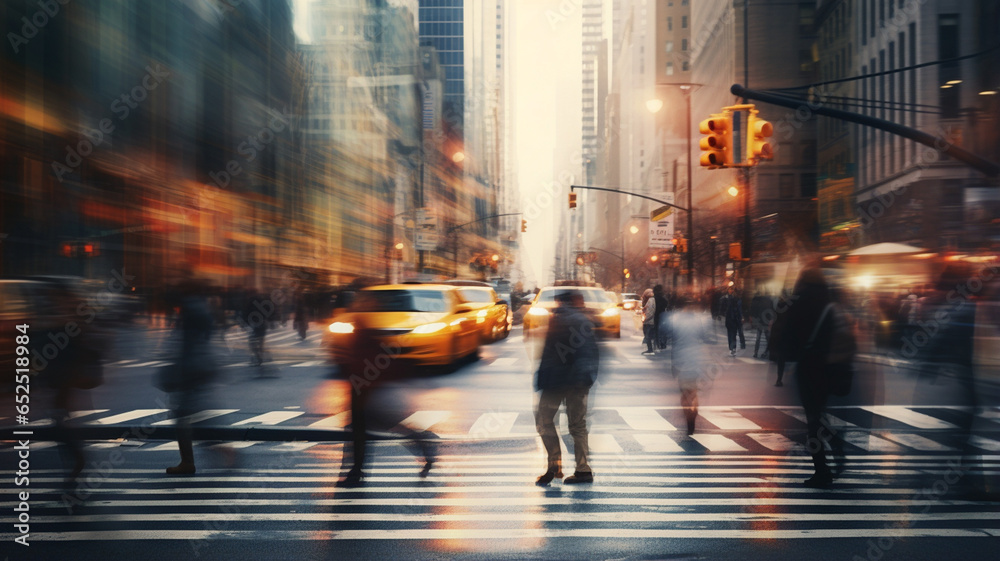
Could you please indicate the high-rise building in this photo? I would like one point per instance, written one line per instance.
(442, 25)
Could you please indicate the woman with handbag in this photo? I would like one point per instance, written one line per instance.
(806, 340)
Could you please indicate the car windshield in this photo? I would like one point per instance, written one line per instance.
(400, 301)
(478, 296)
(630, 296)
(590, 295)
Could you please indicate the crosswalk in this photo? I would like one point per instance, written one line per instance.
(747, 429)
(492, 496)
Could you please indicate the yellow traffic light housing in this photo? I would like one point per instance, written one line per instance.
(524, 225)
(716, 145)
(735, 251)
(572, 200)
(758, 131)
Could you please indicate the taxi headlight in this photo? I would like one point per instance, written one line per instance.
(610, 312)
(429, 328)
(534, 311)
(341, 327)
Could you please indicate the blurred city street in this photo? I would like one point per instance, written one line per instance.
(275, 495)
(500, 279)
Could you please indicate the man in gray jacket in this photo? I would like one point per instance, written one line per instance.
(567, 370)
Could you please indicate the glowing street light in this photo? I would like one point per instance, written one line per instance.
(733, 191)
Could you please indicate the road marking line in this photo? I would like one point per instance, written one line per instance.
(505, 361)
(830, 419)
(78, 414)
(644, 419)
(128, 416)
(272, 418)
(197, 417)
(457, 534)
(918, 442)
(604, 443)
(728, 419)
(294, 446)
(870, 442)
(308, 363)
(774, 441)
(716, 443)
(340, 420)
(493, 424)
(143, 364)
(908, 417)
(423, 420)
(657, 443)
(985, 443)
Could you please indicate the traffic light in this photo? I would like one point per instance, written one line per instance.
(572, 200)
(524, 225)
(735, 251)
(758, 131)
(716, 145)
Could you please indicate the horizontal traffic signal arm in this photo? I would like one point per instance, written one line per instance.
(460, 226)
(988, 168)
(641, 196)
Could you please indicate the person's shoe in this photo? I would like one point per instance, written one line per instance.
(579, 477)
(778, 384)
(819, 481)
(427, 469)
(547, 477)
(732, 352)
(183, 468)
(354, 478)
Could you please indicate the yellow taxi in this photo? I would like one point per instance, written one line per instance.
(491, 312)
(602, 310)
(421, 324)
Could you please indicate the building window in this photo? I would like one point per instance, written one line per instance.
(670, 46)
(670, 23)
(807, 185)
(684, 45)
(670, 69)
(786, 186)
(948, 48)
(685, 66)
(684, 22)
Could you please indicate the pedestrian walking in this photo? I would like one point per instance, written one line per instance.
(807, 338)
(567, 370)
(775, 350)
(258, 312)
(369, 370)
(689, 332)
(661, 308)
(648, 321)
(192, 369)
(732, 306)
(760, 321)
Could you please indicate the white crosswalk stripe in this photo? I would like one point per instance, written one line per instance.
(491, 497)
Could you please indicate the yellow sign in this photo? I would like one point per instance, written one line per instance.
(660, 213)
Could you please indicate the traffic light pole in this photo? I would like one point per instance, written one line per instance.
(455, 229)
(988, 168)
(690, 189)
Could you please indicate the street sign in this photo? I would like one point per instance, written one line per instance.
(426, 236)
(660, 213)
(661, 232)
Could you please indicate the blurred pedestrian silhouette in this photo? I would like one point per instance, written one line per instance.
(568, 369)
(661, 308)
(192, 369)
(648, 320)
(369, 370)
(775, 343)
(760, 321)
(944, 336)
(76, 367)
(806, 338)
(689, 332)
(732, 310)
(301, 320)
(258, 312)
